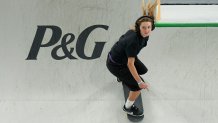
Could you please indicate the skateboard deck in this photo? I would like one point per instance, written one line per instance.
(138, 103)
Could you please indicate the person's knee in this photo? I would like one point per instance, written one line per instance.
(143, 71)
(135, 92)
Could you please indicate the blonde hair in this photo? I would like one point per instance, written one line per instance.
(149, 10)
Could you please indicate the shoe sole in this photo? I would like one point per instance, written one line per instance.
(135, 115)
(131, 113)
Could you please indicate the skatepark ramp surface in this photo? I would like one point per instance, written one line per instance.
(53, 65)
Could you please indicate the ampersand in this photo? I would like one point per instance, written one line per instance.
(64, 43)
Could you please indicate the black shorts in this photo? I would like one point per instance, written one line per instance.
(123, 73)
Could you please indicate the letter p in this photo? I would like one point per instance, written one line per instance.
(37, 42)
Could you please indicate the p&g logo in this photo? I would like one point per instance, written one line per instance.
(56, 36)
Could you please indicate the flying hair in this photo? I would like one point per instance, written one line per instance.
(151, 13)
(150, 9)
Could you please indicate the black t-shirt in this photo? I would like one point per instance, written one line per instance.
(129, 45)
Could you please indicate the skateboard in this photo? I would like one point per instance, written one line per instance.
(138, 103)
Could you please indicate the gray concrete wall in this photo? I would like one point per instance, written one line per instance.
(182, 65)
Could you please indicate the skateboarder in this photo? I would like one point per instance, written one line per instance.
(123, 62)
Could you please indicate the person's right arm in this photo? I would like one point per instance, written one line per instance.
(133, 71)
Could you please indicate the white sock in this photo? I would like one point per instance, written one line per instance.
(129, 103)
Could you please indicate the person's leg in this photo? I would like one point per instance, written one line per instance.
(140, 67)
(130, 82)
(126, 77)
(129, 106)
(133, 95)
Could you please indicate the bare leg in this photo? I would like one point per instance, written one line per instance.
(129, 108)
(133, 95)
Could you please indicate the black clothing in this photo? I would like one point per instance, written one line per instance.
(123, 73)
(129, 45)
